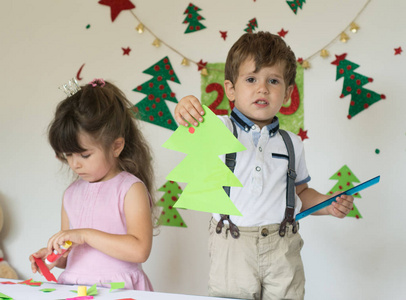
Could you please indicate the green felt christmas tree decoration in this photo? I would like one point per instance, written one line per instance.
(361, 98)
(345, 179)
(193, 18)
(153, 108)
(202, 169)
(170, 215)
(252, 24)
(295, 5)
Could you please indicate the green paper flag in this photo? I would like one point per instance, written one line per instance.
(116, 286)
(202, 168)
(3, 296)
(92, 291)
(47, 290)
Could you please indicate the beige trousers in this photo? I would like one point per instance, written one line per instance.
(258, 265)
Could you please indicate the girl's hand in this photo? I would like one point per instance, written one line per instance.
(41, 254)
(342, 206)
(189, 110)
(76, 236)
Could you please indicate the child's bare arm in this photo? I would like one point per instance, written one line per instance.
(311, 197)
(189, 110)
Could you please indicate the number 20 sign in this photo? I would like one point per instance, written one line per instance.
(213, 96)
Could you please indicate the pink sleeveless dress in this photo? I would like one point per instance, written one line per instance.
(100, 205)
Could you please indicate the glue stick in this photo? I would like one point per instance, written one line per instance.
(55, 255)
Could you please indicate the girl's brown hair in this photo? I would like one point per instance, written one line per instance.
(104, 113)
(266, 49)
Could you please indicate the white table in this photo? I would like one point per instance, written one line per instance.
(26, 292)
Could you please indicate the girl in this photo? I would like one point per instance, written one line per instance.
(106, 212)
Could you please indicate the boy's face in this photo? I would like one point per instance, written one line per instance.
(259, 96)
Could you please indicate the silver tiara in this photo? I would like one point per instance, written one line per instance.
(70, 88)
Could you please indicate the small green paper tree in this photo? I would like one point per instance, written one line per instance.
(153, 108)
(202, 168)
(345, 179)
(361, 98)
(170, 215)
(295, 4)
(193, 18)
(252, 24)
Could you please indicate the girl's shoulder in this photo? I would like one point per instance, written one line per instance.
(125, 176)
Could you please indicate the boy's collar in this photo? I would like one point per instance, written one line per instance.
(246, 124)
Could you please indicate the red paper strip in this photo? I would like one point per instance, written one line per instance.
(30, 282)
(44, 270)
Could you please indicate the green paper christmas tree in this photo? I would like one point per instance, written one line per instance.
(252, 24)
(170, 215)
(361, 98)
(345, 179)
(153, 108)
(193, 19)
(202, 169)
(295, 4)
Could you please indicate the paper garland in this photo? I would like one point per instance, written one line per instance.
(170, 215)
(153, 108)
(202, 169)
(361, 98)
(193, 18)
(345, 179)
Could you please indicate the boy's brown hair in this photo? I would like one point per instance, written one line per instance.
(266, 49)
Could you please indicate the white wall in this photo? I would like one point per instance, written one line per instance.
(43, 44)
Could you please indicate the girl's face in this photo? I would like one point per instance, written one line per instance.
(92, 165)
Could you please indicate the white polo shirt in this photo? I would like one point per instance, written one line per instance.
(262, 170)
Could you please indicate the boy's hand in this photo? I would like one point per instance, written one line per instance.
(342, 206)
(189, 110)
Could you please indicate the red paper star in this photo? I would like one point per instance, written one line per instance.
(398, 51)
(126, 51)
(201, 65)
(339, 58)
(303, 134)
(282, 33)
(223, 34)
(117, 6)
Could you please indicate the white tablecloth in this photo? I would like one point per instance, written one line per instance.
(26, 292)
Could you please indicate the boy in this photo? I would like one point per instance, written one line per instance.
(264, 262)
